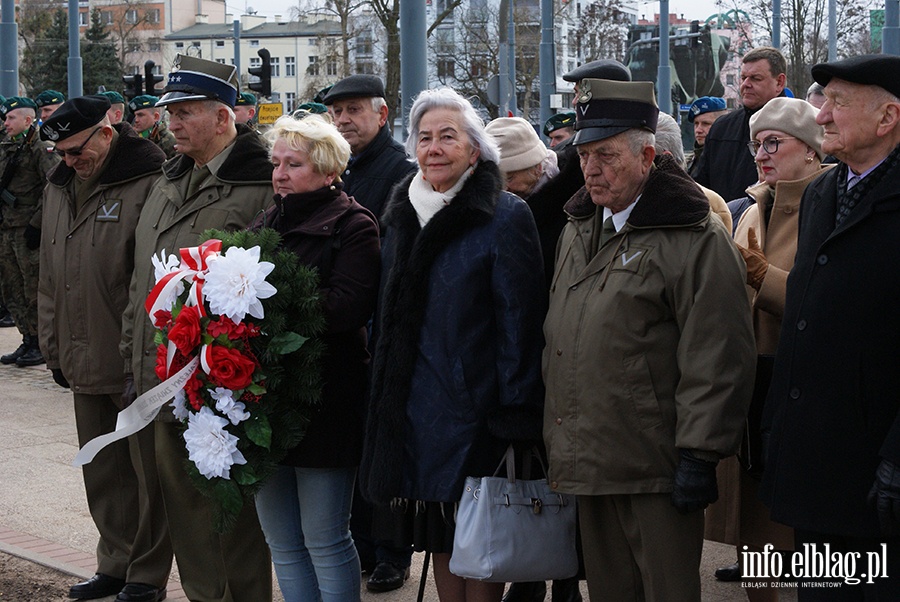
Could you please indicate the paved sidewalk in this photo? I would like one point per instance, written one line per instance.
(43, 512)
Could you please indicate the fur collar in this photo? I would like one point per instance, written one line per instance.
(133, 157)
(248, 162)
(669, 198)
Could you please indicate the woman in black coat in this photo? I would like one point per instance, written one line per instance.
(304, 509)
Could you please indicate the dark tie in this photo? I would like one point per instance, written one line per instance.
(607, 232)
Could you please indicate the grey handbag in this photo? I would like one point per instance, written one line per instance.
(514, 530)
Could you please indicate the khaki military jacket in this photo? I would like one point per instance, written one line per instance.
(164, 139)
(649, 345)
(87, 257)
(29, 180)
(229, 199)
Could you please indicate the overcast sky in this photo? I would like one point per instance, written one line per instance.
(691, 9)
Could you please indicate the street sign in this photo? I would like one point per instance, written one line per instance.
(269, 112)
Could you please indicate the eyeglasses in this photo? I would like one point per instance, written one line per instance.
(770, 145)
(76, 152)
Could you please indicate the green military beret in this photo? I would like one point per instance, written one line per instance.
(144, 101)
(49, 97)
(114, 97)
(559, 121)
(16, 102)
(313, 107)
(245, 99)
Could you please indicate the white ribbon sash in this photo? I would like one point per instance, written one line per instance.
(139, 414)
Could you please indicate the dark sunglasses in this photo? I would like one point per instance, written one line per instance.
(76, 152)
(770, 145)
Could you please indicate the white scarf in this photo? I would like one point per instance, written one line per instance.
(426, 201)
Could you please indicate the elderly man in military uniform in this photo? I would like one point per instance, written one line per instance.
(148, 123)
(91, 206)
(221, 178)
(649, 356)
(25, 162)
(47, 102)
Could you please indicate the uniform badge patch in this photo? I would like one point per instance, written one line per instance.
(109, 211)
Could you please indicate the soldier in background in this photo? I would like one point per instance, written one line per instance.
(25, 162)
(6, 319)
(703, 113)
(47, 102)
(148, 123)
(116, 112)
(245, 109)
(560, 127)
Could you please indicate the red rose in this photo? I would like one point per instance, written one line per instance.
(185, 333)
(162, 318)
(230, 368)
(161, 363)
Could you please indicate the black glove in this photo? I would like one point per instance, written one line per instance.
(58, 378)
(695, 484)
(884, 497)
(129, 393)
(32, 237)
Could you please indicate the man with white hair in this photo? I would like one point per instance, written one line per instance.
(649, 356)
(221, 179)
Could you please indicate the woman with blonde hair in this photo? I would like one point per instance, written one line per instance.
(304, 509)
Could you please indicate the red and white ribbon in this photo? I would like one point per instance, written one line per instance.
(194, 263)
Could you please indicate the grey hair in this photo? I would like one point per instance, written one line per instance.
(377, 103)
(815, 89)
(668, 138)
(214, 105)
(445, 98)
(638, 139)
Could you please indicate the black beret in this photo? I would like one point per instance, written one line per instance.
(606, 108)
(73, 116)
(868, 69)
(602, 69)
(355, 86)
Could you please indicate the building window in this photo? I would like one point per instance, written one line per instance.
(83, 19)
(255, 61)
(365, 67)
(313, 68)
(312, 42)
(220, 43)
(106, 17)
(276, 66)
(131, 16)
(445, 68)
(331, 67)
(153, 16)
(729, 80)
(133, 47)
(179, 45)
(364, 43)
(290, 67)
(254, 43)
(222, 61)
(290, 99)
(153, 45)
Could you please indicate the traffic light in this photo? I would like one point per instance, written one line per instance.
(151, 79)
(133, 85)
(264, 73)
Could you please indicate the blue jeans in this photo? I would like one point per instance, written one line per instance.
(305, 515)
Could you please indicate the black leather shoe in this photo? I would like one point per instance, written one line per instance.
(141, 592)
(6, 319)
(566, 590)
(526, 592)
(387, 577)
(32, 357)
(98, 586)
(10, 358)
(732, 572)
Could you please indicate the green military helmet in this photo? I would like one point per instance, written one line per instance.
(144, 101)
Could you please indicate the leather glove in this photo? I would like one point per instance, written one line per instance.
(32, 237)
(757, 265)
(58, 378)
(884, 497)
(129, 393)
(695, 484)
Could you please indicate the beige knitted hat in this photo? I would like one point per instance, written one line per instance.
(520, 147)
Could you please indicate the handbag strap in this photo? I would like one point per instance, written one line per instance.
(509, 459)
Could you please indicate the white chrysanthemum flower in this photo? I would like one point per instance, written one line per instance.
(226, 404)
(210, 447)
(163, 266)
(235, 283)
(179, 406)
